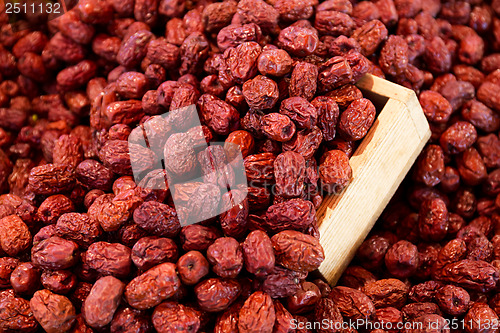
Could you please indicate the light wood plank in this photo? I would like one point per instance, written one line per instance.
(385, 88)
(379, 165)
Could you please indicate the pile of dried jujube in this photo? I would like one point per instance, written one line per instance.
(84, 248)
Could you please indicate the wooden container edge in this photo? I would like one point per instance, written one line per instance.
(379, 165)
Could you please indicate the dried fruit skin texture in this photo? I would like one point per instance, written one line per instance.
(101, 173)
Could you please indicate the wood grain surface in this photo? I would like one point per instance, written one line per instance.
(379, 165)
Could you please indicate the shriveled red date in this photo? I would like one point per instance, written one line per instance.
(297, 214)
(335, 171)
(387, 292)
(258, 253)
(226, 257)
(152, 287)
(433, 220)
(352, 303)
(214, 294)
(55, 253)
(150, 251)
(102, 302)
(15, 236)
(257, 314)
(476, 275)
(357, 119)
(109, 258)
(289, 172)
(192, 267)
(55, 313)
(297, 251)
(278, 127)
(17, 314)
(51, 179)
(174, 317)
